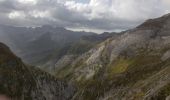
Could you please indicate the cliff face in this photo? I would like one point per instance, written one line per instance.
(132, 66)
(21, 82)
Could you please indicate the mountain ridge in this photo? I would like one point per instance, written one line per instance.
(132, 66)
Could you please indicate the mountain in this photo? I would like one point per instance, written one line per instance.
(70, 52)
(85, 43)
(134, 65)
(22, 82)
(131, 65)
(34, 45)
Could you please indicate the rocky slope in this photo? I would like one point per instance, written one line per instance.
(134, 65)
(67, 54)
(21, 82)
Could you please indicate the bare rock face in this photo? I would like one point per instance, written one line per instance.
(166, 55)
(133, 66)
(21, 82)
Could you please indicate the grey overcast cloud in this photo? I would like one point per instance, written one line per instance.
(88, 15)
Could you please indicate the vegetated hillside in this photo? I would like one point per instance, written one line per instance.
(33, 45)
(21, 82)
(134, 65)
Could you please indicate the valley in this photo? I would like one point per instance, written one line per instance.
(67, 65)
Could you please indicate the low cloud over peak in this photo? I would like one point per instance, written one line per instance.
(110, 15)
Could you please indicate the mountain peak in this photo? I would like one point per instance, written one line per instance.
(156, 23)
(160, 26)
(166, 15)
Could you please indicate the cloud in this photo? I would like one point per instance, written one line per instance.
(16, 14)
(30, 2)
(78, 14)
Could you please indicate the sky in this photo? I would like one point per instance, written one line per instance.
(87, 15)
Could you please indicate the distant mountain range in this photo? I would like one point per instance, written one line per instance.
(34, 44)
(44, 46)
(131, 65)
